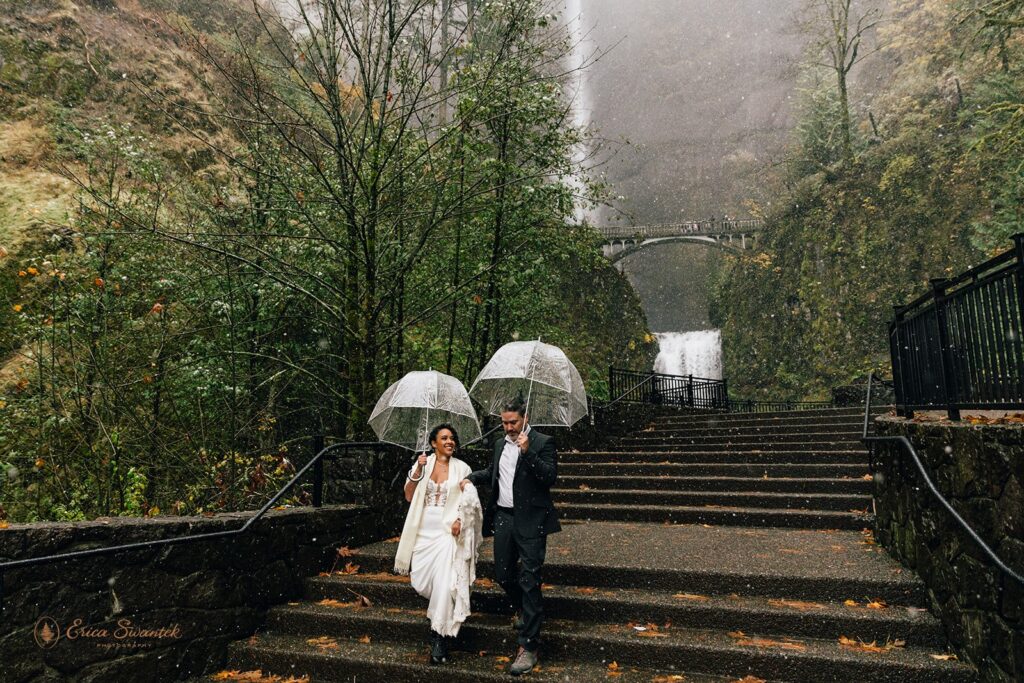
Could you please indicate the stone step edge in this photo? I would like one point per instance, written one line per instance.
(274, 651)
(749, 511)
(626, 646)
(622, 477)
(896, 589)
(727, 494)
(644, 603)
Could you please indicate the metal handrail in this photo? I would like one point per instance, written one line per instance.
(909, 448)
(317, 461)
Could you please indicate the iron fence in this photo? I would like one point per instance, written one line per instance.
(656, 388)
(959, 345)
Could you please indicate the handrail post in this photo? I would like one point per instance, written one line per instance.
(689, 391)
(949, 389)
(896, 353)
(318, 471)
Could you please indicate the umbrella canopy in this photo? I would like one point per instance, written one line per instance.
(540, 373)
(412, 406)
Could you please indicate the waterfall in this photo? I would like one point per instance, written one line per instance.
(580, 99)
(696, 353)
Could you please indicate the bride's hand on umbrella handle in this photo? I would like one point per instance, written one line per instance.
(462, 484)
(457, 528)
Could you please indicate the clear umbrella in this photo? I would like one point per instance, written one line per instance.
(540, 373)
(412, 406)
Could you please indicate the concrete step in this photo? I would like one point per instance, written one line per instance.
(646, 455)
(738, 444)
(726, 516)
(852, 420)
(849, 486)
(776, 616)
(802, 564)
(676, 648)
(744, 499)
(730, 436)
(817, 413)
(851, 426)
(713, 469)
(344, 659)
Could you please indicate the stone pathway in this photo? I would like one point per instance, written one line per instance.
(663, 599)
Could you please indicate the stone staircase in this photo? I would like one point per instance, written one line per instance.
(701, 549)
(805, 469)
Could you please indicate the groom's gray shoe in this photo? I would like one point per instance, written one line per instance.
(524, 663)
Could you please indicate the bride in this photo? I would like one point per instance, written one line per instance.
(440, 538)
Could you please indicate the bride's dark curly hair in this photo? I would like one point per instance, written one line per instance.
(437, 430)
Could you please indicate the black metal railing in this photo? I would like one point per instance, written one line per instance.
(740, 405)
(630, 386)
(922, 472)
(960, 345)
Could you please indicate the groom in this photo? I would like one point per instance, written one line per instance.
(520, 515)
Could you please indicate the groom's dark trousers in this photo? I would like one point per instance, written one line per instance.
(520, 532)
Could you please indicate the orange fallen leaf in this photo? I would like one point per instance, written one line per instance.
(324, 643)
(691, 596)
(614, 666)
(850, 603)
(4, 524)
(484, 582)
(586, 590)
(502, 659)
(796, 604)
(868, 477)
(584, 487)
(750, 679)
(945, 657)
(668, 678)
(364, 639)
(869, 647)
(785, 644)
(385, 576)
(345, 551)
(331, 602)
(350, 568)
(877, 604)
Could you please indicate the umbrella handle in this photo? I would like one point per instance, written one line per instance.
(416, 457)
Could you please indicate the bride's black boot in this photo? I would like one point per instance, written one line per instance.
(438, 648)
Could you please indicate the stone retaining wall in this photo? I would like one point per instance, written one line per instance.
(980, 470)
(166, 613)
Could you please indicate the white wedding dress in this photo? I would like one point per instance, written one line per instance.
(443, 566)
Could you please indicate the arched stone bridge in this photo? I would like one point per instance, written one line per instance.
(620, 242)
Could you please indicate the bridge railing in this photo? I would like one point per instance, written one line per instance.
(630, 386)
(960, 344)
(707, 227)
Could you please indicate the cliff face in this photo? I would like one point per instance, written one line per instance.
(701, 90)
(66, 63)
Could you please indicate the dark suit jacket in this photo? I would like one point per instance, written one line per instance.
(536, 471)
